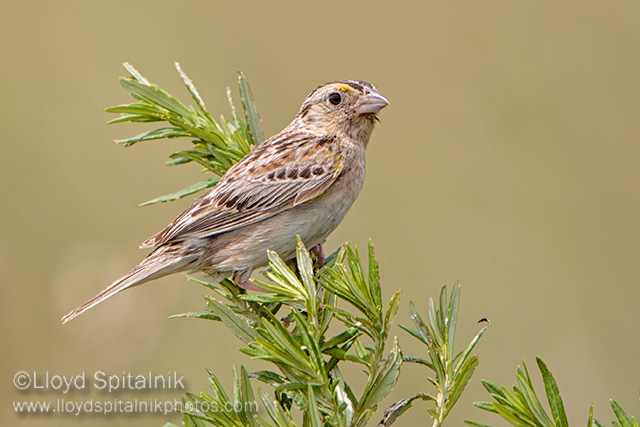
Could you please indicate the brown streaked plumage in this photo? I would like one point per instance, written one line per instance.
(301, 181)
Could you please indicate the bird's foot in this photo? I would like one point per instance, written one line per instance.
(318, 251)
(249, 286)
(243, 280)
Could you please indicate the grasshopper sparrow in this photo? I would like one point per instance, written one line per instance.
(301, 181)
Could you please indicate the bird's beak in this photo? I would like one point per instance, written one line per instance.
(371, 103)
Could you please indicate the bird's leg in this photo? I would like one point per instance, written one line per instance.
(242, 278)
(318, 251)
(292, 264)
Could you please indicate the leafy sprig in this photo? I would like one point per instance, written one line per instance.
(307, 362)
(452, 370)
(521, 406)
(216, 145)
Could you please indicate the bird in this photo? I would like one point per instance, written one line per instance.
(300, 182)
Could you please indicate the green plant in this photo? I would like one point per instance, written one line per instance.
(308, 360)
(311, 325)
(521, 406)
(310, 364)
(217, 145)
(452, 370)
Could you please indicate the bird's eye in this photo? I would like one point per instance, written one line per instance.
(335, 98)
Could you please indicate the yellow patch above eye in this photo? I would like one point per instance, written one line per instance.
(344, 87)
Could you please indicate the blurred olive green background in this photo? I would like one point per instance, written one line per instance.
(508, 159)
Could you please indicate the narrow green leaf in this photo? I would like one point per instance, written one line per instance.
(385, 380)
(358, 282)
(153, 135)
(155, 95)
(359, 323)
(391, 311)
(460, 381)
(311, 343)
(374, 277)
(199, 159)
(532, 401)
(514, 418)
(491, 388)
(438, 366)
(442, 313)
(215, 287)
(452, 316)
(474, 424)
(283, 345)
(305, 268)
(245, 398)
(312, 413)
(329, 299)
(336, 280)
(524, 373)
(553, 395)
(250, 111)
(277, 413)
(265, 298)
(331, 258)
(418, 360)
(341, 338)
(194, 188)
(341, 354)
(622, 416)
(590, 420)
(486, 406)
(268, 377)
(362, 351)
(331, 365)
(194, 420)
(269, 405)
(196, 315)
(236, 324)
(392, 413)
(137, 108)
(290, 280)
(176, 161)
(516, 404)
(469, 348)
(434, 324)
(135, 118)
(421, 326)
(413, 333)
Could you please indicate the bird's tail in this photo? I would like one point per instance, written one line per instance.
(161, 262)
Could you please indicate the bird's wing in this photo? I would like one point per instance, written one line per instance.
(275, 176)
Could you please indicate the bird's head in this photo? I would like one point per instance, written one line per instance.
(347, 107)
